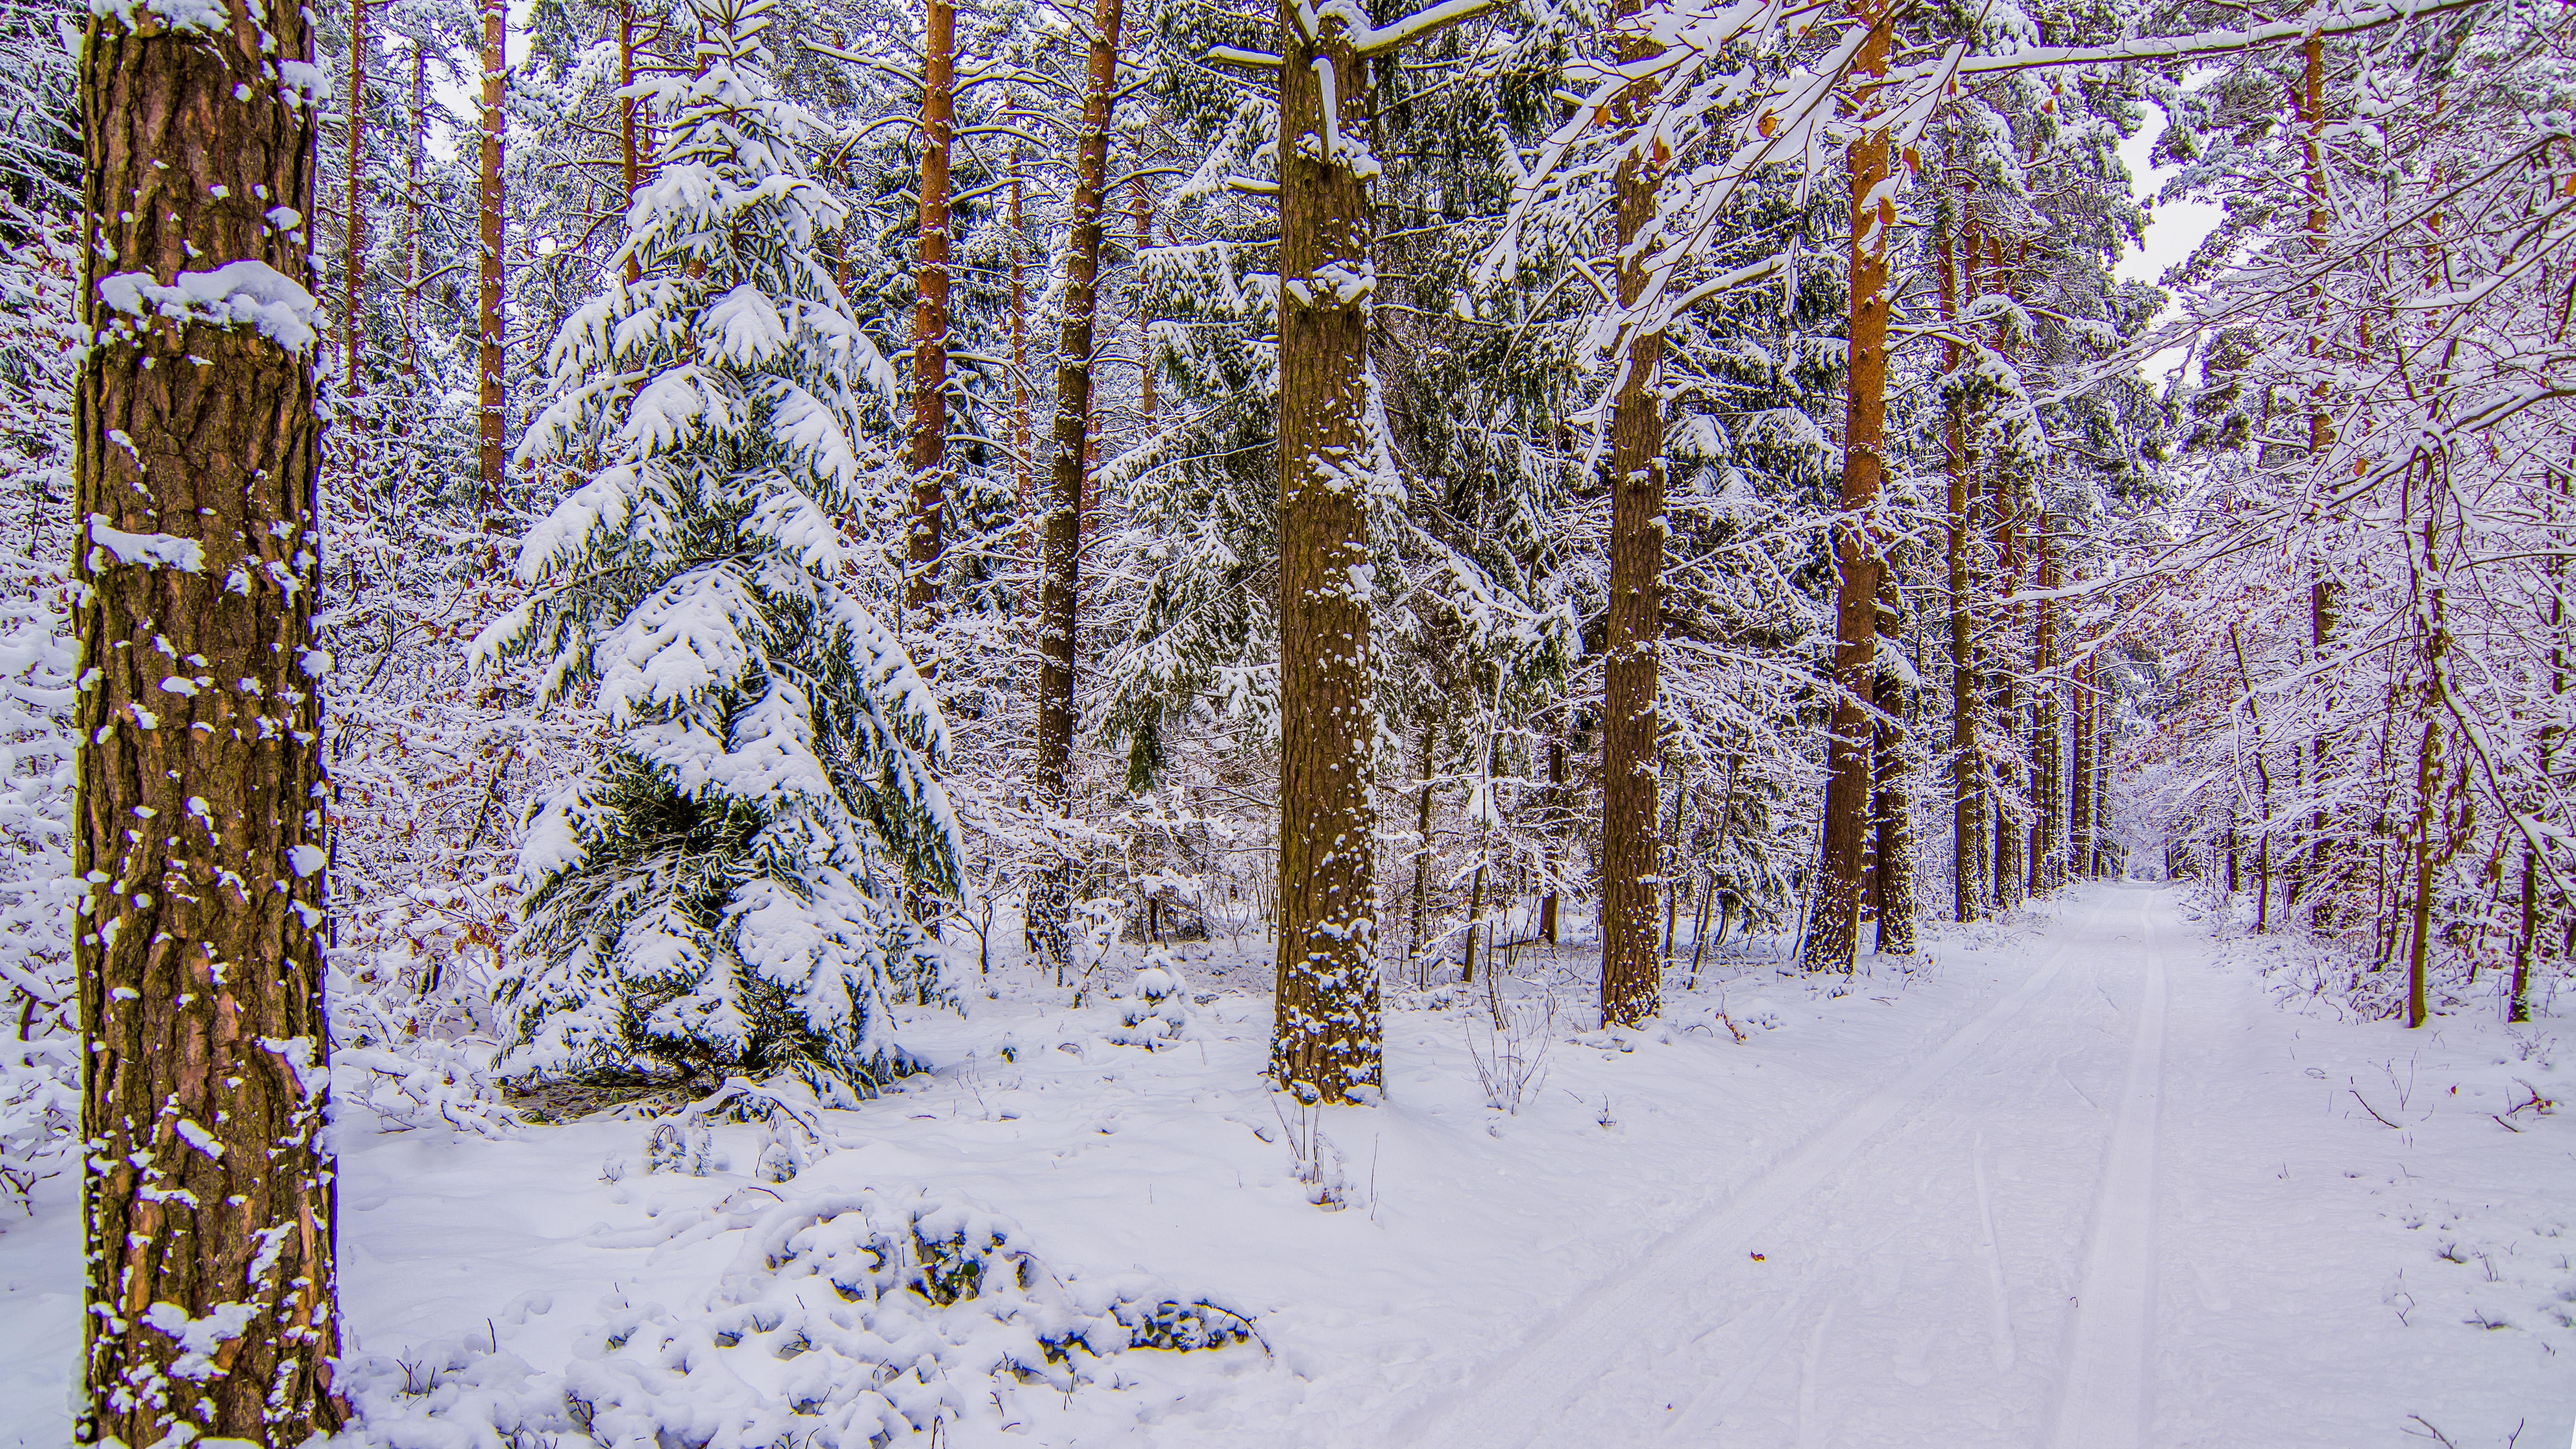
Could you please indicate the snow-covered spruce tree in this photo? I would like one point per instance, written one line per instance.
(727, 889)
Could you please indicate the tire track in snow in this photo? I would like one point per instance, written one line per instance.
(1519, 1399)
(2102, 1400)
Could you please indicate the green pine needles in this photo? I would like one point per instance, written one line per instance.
(735, 888)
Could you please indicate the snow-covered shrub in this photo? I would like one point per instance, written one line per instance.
(846, 1321)
(1157, 1011)
(735, 887)
(685, 1141)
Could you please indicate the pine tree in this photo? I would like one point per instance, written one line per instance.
(727, 889)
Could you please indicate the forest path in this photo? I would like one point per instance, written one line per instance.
(1968, 1255)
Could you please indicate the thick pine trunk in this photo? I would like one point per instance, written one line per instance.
(1631, 870)
(1325, 1032)
(1060, 584)
(1833, 933)
(930, 314)
(494, 402)
(207, 1192)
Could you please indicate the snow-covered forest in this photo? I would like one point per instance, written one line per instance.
(1315, 725)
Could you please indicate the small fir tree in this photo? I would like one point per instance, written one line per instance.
(734, 887)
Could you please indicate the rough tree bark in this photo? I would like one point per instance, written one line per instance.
(1325, 1032)
(1833, 932)
(930, 313)
(207, 1191)
(1060, 584)
(492, 417)
(1632, 655)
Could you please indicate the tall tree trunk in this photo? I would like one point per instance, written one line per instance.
(1020, 439)
(2047, 732)
(2079, 805)
(2428, 756)
(930, 313)
(197, 818)
(1894, 810)
(1631, 868)
(1670, 869)
(1060, 587)
(1422, 833)
(2009, 786)
(630, 152)
(2526, 941)
(353, 278)
(1967, 687)
(491, 419)
(1325, 1040)
(2428, 779)
(1833, 935)
(1556, 828)
(2106, 853)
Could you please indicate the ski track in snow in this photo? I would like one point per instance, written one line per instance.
(1545, 1388)
(2104, 1403)
(1888, 1236)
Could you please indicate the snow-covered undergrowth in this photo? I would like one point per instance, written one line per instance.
(847, 1319)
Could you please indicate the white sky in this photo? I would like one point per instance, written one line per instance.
(2177, 228)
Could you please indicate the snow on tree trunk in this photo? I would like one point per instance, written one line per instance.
(1060, 586)
(492, 423)
(1833, 935)
(198, 825)
(930, 322)
(1632, 651)
(1325, 1034)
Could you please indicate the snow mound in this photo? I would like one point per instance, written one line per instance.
(846, 1321)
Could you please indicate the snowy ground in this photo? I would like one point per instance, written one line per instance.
(2080, 1182)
